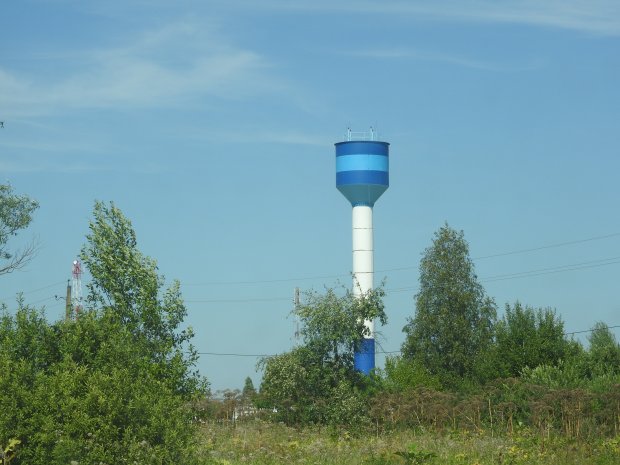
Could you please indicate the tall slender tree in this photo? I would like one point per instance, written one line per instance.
(453, 321)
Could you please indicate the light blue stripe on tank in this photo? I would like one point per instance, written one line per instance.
(361, 162)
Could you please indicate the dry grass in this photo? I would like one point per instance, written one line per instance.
(264, 443)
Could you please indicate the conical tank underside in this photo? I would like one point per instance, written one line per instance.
(362, 170)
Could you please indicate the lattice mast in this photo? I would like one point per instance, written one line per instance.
(76, 288)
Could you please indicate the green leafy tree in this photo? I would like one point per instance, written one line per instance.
(248, 393)
(15, 214)
(127, 284)
(403, 373)
(116, 384)
(333, 325)
(317, 382)
(528, 337)
(604, 351)
(453, 322)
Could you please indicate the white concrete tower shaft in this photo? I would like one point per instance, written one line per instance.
(363, 266)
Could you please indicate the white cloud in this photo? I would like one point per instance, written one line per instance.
(174, 65)
(591, 16)
(401, 53)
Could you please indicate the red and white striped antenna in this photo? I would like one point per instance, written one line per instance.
(76, 288)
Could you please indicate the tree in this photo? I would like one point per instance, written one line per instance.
(249, 391)
(403, 373)
(526, 337)
(317, 382)
(453, 322)
(126, 285)
(333, 326)
(15, 215)
(604, 351)
(115, 385)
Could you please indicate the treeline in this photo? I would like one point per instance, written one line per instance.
(461, 367)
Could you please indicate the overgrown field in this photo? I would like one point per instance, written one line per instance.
(263, 443)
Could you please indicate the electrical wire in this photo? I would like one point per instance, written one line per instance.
(34, 290)
(502, 277)
(385, 352)
(532, 273)
(407, 267)
(308, 278)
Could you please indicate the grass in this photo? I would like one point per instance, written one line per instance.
(263, 443)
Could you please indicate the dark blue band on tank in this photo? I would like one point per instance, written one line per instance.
(363, 177)
(362, 147)
(362, 194)
(364, 358)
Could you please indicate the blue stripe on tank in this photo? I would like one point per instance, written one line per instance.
(364, 357)
(362, 177)
(361, 162)
(355, 147)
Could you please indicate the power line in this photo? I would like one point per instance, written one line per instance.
(251, 299)
(385, 352)
(523, 274)
(409, 267)
(34, 290)
(223, 354)
(536, 272)
(556, 269)
(592, 329)
(550, 246)
(308, 278)
(502, 277)
(265, 281)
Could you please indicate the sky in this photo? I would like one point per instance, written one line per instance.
(211, 125)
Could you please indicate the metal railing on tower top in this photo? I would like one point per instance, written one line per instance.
(361, 135)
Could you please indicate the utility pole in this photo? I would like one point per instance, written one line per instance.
(68, 301)
(297, 334)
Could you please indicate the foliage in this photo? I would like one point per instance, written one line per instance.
(303, 390)
(414, 456)
(503, 407)
(604, 352)
(248, 394)
(403, 374)
(261, 443)
(115, 384)
(333, 326)
(453, 322)
(7, 454)
(526, 337)
(316, 382)
(15, 214)
(125, 284)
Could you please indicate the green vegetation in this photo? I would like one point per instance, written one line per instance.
(453, 324)
(316, 383)
(15, 214)
(267, 443)
(117, 384)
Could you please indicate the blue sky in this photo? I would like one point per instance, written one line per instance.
(211, 125)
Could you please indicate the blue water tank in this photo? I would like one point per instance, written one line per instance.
(362, 170)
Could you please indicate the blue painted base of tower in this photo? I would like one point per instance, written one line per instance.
(364, 359)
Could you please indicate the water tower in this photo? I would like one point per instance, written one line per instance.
(362, 175)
